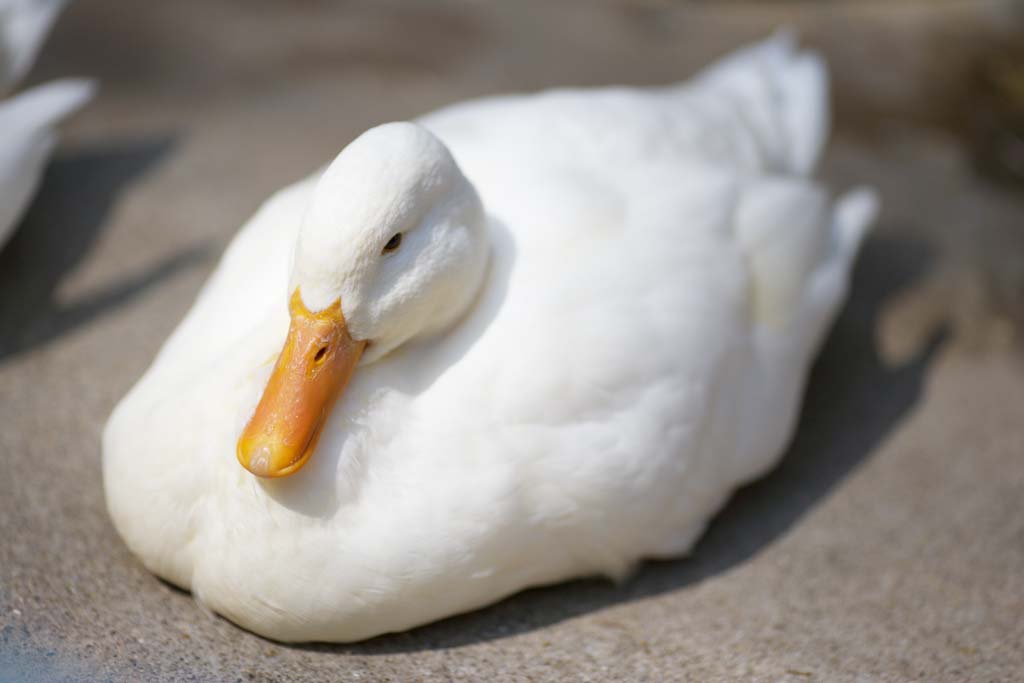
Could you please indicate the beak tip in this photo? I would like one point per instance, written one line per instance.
(257, 459)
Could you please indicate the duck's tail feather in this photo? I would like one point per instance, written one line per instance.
(783, 346)
(800, 251)
(783, 93)
(854, 213)
(852, 217)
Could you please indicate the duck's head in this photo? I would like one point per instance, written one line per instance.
(393, 247)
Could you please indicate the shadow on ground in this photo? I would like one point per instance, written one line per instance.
(67, 216)
(853, 402)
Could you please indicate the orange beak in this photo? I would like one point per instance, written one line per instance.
(313, 369)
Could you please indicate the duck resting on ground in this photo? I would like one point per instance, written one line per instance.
(520, 340)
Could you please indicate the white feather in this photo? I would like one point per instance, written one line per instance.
(27, 120)
(26, 140)
(23, 26)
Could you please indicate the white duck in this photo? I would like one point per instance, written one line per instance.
(26, 121)
(23, 26)
(575, 322)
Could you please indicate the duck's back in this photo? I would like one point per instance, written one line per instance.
(666, 271)
(760, 110)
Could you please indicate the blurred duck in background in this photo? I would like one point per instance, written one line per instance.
(27, 120)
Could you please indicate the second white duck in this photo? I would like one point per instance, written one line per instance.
(27, 121)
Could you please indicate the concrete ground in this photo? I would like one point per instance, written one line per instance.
(889, 544)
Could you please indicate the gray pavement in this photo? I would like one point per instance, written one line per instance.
(889, 544)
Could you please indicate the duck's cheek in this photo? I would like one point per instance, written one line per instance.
(314, 367)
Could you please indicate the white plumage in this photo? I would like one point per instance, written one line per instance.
(660, 273)
(23, 26)
(26, 121)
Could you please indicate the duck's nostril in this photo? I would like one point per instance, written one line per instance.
(320, 354)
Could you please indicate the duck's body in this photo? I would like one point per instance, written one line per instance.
(661, 272)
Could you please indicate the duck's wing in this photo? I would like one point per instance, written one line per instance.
(23, 25)
(27, 123)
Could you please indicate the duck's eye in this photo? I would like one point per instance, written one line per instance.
(393, 243)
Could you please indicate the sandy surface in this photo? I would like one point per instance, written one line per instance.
(889, 544)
